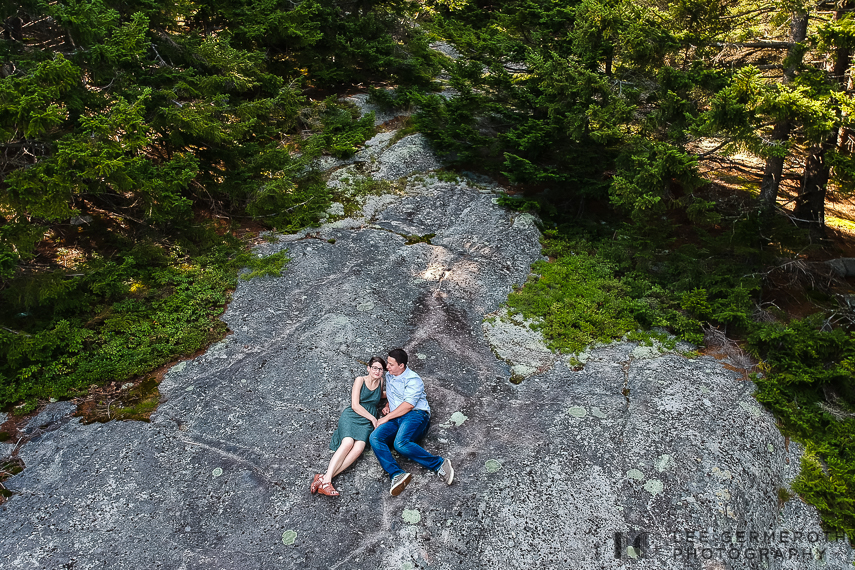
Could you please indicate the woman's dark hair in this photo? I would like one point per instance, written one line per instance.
(399, 355)
(377, 359)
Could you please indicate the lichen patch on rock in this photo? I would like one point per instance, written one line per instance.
(577, 411)
(635, 474)
(664, 463)
(289, 537)
(457, 418)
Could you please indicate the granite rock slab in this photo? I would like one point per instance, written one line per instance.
(843, 266)
(607, 467)
(51, 414)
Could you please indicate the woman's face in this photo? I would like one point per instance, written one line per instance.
(375, 370)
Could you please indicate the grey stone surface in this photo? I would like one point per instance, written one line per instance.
(516, 342)
(380, 116)
(547, 471)
(51, 414)
(372, 148)
(408, 156)
(843, 266)
(445, 49)
(382, 160)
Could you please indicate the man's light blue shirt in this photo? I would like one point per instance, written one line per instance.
(408, 387)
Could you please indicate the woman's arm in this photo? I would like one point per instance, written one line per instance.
(401, 410)
(354, 400)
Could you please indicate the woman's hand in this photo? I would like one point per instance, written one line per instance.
(385, 409)
(374, 422)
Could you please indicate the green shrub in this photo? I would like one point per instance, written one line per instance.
(271, 266)
(145, 312)
(830, 490)
(810, 387)
(580, 298)
(577, 301)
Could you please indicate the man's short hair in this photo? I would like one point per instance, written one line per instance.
(399, 355)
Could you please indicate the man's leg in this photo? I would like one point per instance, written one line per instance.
(412, 427)
(380, 439)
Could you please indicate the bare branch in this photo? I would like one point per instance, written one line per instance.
(764, 45)
(760, 10)
(15, 332)
(716, 149)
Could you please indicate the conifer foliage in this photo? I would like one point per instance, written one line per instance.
(610, 98)
(127, 129)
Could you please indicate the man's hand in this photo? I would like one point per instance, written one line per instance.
(374, 422)
(385, 409)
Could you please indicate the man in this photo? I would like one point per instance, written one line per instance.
(406, 419)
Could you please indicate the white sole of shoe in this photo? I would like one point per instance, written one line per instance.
(400, 485)
(450, 473)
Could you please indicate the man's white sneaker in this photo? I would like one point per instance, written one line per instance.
(446, 471)
(400, 481)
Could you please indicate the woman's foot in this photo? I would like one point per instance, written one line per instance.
(316, 482)
(327, 489)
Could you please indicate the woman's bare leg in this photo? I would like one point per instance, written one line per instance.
(355, 452)
(338, 457)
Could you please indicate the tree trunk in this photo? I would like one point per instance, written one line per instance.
(810, 203)
(774, 170)
(781, 132)
(845, 135)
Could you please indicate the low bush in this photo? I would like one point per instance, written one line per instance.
(126, 319)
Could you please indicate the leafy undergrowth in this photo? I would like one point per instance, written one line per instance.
(117, 319)
(577, 300)
(810, 388)
(605, 283)
(598, 290)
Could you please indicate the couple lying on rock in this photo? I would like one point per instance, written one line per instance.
(403, 421)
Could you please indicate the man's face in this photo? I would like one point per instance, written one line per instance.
(393, 366)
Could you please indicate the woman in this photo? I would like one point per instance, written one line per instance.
(354, 426)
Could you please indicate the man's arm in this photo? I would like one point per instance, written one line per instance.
(402, 409)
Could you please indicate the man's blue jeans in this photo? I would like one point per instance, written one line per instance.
(402, 433)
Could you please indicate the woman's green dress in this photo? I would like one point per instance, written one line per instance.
(351, 424)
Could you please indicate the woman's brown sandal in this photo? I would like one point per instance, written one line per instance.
(328, 490)
(316, 482)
